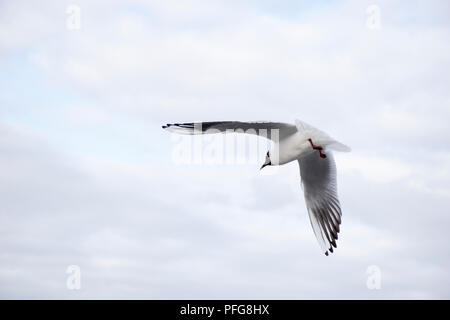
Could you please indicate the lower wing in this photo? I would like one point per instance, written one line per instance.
(320, 188)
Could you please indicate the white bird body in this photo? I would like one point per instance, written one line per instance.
(308, 145)
(294, 146)
(288, 149)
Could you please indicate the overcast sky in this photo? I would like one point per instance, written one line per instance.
(88, 177)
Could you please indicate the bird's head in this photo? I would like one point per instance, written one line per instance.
(268, 162)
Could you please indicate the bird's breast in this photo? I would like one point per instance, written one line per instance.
(289, 149)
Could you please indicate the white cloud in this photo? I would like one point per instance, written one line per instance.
(375, 169)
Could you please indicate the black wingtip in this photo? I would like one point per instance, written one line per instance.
(326, 253)
(333, 244)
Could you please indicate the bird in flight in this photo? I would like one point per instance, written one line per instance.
(312, 148)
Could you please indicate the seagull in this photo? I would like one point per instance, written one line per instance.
(312, 148)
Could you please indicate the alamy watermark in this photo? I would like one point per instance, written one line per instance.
(229, 147)
(373, 21)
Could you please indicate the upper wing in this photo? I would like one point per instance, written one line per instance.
(319, 183)
(262, 128)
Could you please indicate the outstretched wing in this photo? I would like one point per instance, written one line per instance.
(261, 128)
(318, 177)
